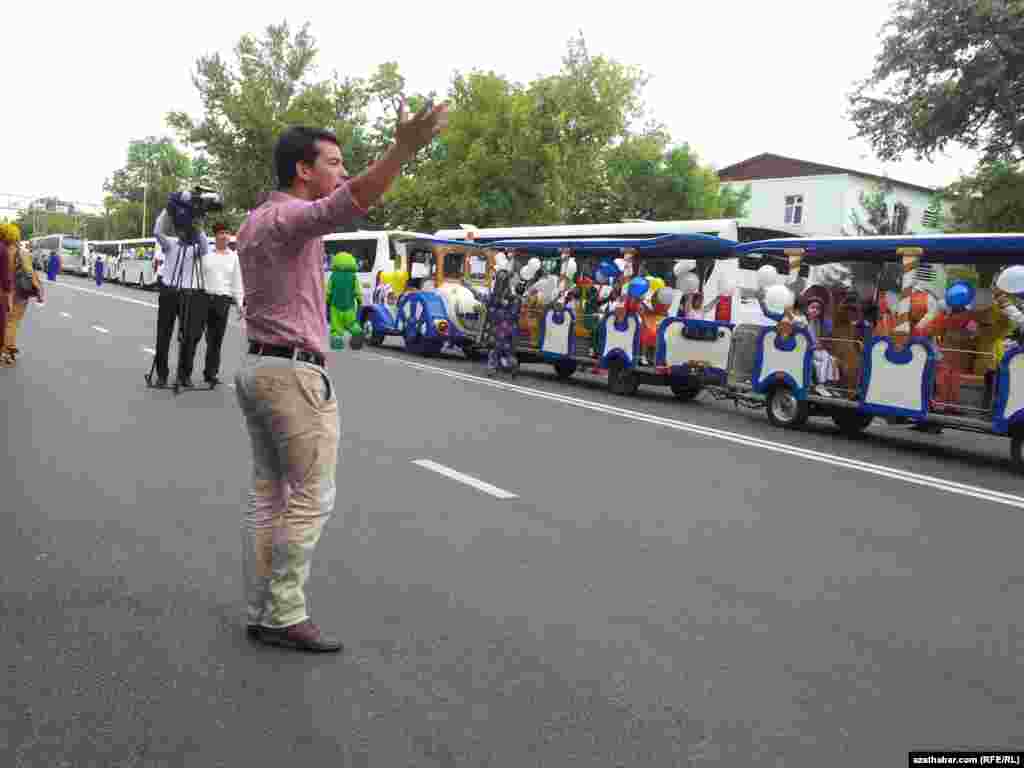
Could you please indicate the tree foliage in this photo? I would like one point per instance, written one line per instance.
(990, 200)
(559, 149)
(948, 71)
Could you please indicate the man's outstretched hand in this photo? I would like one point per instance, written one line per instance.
(414, 133)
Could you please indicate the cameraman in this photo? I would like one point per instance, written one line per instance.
(175, 282)
(289, 402)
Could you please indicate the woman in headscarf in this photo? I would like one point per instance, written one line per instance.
(22, 272)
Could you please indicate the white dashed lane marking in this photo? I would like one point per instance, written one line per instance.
(64, 314)
(480, 485)
(100, 329)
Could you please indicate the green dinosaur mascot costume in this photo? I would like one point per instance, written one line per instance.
(344, 298)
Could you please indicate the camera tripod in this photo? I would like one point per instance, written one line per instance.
(183, 313)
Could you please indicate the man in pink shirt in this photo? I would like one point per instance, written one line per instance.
(285, 393)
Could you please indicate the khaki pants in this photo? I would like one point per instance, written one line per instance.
(11, 326)
(291, 412)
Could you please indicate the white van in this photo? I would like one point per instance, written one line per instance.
(740, 274)
(374, 251)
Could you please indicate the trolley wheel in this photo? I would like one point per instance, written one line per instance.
(851, 422)
(565, 369)
(684, 390)
(622, 380)
(1016, 448)
(784, 409)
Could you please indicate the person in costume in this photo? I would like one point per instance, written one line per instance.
(503, 305)
(343, 301)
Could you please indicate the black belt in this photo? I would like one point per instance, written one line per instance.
(292, 353)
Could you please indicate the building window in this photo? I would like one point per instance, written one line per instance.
(794, 209)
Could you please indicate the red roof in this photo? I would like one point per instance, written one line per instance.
(770, 166)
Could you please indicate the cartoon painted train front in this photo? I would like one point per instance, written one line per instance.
(424, 301)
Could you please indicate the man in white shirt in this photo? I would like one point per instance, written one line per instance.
(223, 278)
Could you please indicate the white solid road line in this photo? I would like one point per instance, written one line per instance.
(105, 295)
(480, 485)
(100, 328)
(913, 478)
(149, 350)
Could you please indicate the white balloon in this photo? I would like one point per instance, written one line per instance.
(530, 270)
(570, 268)
(778, 298)
(621, 264)
(500, 261)
(767, 276)
(1011, 280)
(683, 266)
(690, 283)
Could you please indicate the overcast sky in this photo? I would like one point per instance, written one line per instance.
(733, 79)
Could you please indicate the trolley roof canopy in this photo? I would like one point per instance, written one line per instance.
(678, 246)
(949, 249)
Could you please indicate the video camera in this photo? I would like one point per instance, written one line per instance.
(189, 206)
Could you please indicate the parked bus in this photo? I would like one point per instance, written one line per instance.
(374, 252)
(68, 247)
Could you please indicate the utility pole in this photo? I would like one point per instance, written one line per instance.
(145, 190)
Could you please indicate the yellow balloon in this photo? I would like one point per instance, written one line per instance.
(399, 280)
(656, 284)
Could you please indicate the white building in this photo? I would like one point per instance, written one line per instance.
(818, 200)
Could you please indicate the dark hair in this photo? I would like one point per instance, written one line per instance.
(295, 144)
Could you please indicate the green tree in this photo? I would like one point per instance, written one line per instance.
(653, 180)
(154, 168)
(249, 103)
(989, 200)
(579, 114)
(949, 70)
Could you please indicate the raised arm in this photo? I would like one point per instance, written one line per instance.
(304, 219)
(163, 231)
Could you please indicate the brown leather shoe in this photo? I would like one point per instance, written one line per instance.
(304, 636)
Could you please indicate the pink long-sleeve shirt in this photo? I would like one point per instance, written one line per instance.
(282, 260)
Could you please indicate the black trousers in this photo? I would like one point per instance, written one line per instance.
(167, 314)
(217, 313)
(193, 309)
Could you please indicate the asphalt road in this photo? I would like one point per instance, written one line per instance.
(668, 585)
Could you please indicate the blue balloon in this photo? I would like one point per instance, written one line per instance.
(638, 287)
(959, 296)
